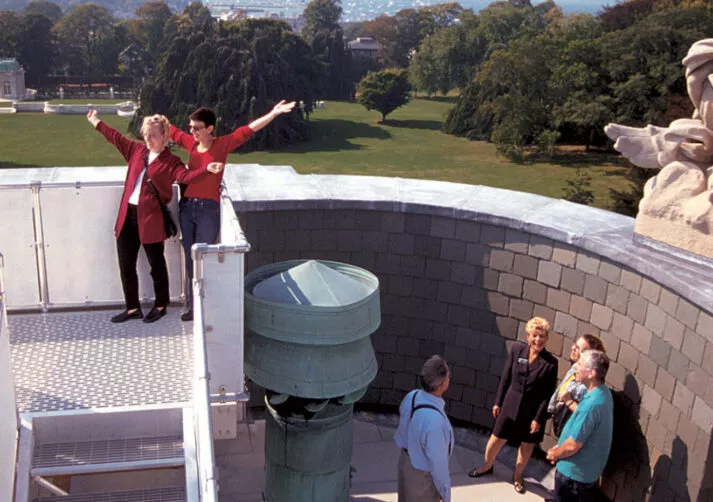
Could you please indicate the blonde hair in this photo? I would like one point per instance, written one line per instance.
(157, 122)
(538, 324)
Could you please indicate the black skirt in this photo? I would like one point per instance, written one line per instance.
(517, 431)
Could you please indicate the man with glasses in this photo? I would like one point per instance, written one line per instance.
(585, 442)
(199, 209)
(425, 437)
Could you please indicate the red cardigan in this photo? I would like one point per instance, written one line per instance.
(163, 171)
(209, 188)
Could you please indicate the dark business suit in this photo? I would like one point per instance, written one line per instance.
(523, 394)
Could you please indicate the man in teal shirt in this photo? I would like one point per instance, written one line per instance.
(585, 442)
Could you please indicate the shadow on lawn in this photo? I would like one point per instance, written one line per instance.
(11, 165)
(336, 134)
(592, 158)
(431, 125)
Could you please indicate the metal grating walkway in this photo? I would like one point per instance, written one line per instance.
(155, 495)
(79, 360)
(107, 452)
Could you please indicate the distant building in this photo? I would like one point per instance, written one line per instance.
(365, 47)
(12, 79)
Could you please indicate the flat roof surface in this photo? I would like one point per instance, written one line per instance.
(78, 360)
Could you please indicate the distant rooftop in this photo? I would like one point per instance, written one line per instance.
(364, 43)
(9, 64)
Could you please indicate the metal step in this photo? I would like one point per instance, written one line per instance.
(153, 495)
(54, 459)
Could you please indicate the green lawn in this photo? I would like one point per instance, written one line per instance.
(346, 140)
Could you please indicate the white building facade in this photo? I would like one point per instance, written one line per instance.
(12, 79)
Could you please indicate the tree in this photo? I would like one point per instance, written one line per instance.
(579, 189)
(384, 91)
(147, 28)
(81, 37)
(36, 51)
(321, 15)
(9, 30)
(48, 9)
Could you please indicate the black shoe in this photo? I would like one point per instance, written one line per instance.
(125, 316)
(475, 474)
(155, 315)
(187, 315)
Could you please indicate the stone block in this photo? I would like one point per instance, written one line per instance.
(386, 264)
(651, 400)
(400, 286)
(601, 316)
(375, 241)
(555, 344)
(449, 292)
(473, 296)
(435, 311)
(465, 274)
(659, 351)
(558, 299)
(683, 398)
(491, 279)
(482, 320)
(668, 301)
(702, 414)
(708, 358)
(622, 327)
(487, 381)
(466, 337)
(477, 359)
(611, 343)
(609, 272)
(467, 231)
(687, 313)
(641, 338)
(534, 292)
(616, 376)
(426, 349)
(516, 241)
(540, 247)
(499, 303)
(587, 263)
(544, 312)
(323, 241)
(477, 254)
(628, 357)
(405, 381)
(650, 290)
(443, 227)
(581, 308)
(698, 380)
(463, 375)
(595, 289)
(665, 384)
(521, 309)
(369, 220)
(492, 236)
(565, 324)
(271, 240)
(669, 416)
(646, 370)
(637, 308)
(564, 255)
(678, 365)
(617, 298)
(417, 224)
(452, 250)
(413, 266)
(297, 240)
(510, 285)
(438, 269)
(525, 266)
(655, 319)
(506, 327)
(425, 245)
(476, 397)
(687, 430)
(393, 363)
(673, 332)
(630, 280)
(549, 273)
(502, 260)
(572, 281)
(401, 244)
(393, 222)
(705, 326)
(444, 333)
(459, 315)
(694, 347)
(425, 288)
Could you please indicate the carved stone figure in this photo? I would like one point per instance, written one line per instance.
(677, 207)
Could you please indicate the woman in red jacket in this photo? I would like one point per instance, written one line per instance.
(140, 219)
(199, 206)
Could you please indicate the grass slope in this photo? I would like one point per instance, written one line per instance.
(345, 140)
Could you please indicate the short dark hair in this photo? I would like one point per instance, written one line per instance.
(433, 372)
(598, 361)
(205, 115)
(594, 342)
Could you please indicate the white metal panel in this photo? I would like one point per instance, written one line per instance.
(80, 248)
(8, 412)
(17, 238)
(222, 287)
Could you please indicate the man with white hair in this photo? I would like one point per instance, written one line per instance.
(425, 437)
(585, 442)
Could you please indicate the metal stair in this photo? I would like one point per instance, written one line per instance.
(152, 495)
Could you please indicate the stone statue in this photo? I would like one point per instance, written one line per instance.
(677, 207)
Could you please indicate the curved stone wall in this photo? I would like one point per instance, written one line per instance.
(463, 267)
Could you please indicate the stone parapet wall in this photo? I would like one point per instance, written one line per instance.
(463, 285)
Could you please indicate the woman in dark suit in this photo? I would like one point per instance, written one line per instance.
(520, 410)
(140, 219)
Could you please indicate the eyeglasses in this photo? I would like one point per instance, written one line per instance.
(196, 128)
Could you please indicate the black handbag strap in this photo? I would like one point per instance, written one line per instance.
(150, 183)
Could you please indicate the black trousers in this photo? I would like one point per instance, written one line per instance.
(127, 247)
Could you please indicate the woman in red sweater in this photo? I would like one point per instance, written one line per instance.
(199, 206)
(140, 219)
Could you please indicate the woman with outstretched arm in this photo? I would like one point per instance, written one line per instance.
(140, 219)
(200, 204)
